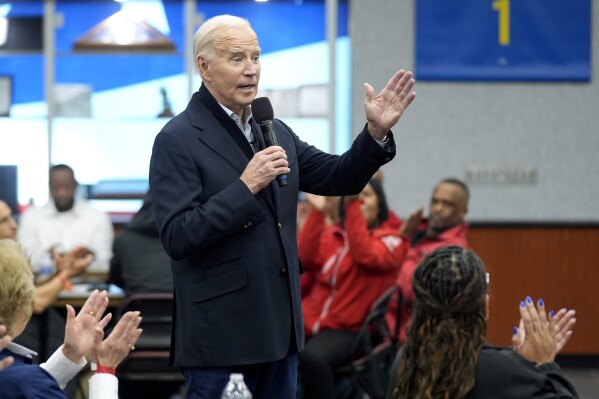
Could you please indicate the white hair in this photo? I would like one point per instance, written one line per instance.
(203, 40)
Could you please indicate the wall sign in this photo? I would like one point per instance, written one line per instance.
(548, 40)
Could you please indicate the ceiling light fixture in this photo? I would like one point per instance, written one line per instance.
(124, 32)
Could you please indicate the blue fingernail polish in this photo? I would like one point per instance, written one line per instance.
(528, 299)
(515, 330)
(541, 303)
(551, 314)
(522, 304)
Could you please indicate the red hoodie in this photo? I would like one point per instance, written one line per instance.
(350, 268)
(454, 236)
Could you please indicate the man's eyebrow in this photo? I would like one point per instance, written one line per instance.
(237, 50)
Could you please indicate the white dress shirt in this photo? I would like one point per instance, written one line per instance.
(101, 385)
(44, 227)
(61, 368)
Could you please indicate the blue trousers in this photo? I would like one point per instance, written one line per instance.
(265, 380)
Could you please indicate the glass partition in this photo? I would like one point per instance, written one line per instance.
(110, 104)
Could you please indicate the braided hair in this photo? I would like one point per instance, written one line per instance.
(447, 328)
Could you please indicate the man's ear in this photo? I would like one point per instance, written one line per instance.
(463, 212)
(202, 65)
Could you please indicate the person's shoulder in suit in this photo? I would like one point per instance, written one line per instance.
(23, 380)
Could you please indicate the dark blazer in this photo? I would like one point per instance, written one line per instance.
(23, 380)
(235, 264)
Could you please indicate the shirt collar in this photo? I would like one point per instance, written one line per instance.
(247, 113)
(246, 128)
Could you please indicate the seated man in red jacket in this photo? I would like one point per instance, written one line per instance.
(445, 226)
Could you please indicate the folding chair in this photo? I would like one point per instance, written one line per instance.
(370, 373)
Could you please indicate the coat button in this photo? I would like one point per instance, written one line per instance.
(284, 270)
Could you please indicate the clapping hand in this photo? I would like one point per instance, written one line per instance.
(409, 227)
(539, 337)
(317, 202)
(328, 205)
(564, 321)
(384, 110)
(111, 351)
(80, 330)
(74, 262)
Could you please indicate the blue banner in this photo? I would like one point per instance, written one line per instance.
(534, 40)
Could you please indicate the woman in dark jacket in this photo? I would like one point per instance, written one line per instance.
(445, 354)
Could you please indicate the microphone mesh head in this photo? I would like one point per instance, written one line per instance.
(262, 109)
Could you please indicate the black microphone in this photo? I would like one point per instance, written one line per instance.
(263, 114)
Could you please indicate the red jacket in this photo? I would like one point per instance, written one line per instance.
(454, 236)
(350, 268)
(393, 220)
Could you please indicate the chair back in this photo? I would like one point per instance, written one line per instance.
(394, 369)
(156, 312)
(378, 344)
(374, 327)
(149, 361)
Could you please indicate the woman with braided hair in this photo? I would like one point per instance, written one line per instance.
(446, 355)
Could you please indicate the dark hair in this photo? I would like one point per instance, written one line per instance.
(447, 328)
(60, 167)
(460, 184)
(383, 208)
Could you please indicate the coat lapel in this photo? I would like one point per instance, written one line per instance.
(218, 131)
(215, 130)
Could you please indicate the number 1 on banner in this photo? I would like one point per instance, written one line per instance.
(503, 9)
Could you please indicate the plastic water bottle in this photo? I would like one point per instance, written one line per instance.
(236, 388)
(46, 268)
